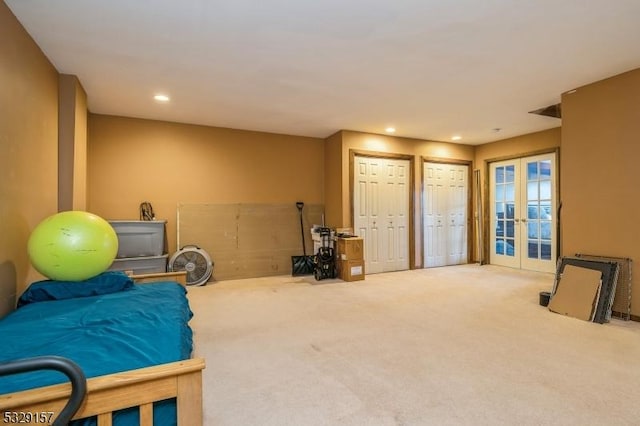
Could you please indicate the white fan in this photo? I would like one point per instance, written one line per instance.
(195, 261)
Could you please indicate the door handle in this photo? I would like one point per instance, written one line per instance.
(524, 220)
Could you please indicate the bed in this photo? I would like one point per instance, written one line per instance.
(131, 339)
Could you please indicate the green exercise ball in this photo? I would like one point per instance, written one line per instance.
(72, 246)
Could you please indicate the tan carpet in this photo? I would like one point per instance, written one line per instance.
(464, 345)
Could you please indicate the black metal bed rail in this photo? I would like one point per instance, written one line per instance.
(63, 365)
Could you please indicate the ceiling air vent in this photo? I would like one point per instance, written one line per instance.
(550, 111)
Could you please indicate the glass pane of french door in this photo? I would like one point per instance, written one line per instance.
(539, 212)
(504, 182)
(539, 218)
(505, 209)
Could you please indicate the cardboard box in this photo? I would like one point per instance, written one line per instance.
(350, 248)
(351, 270)
(577, 293)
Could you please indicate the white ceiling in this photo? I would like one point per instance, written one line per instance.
(430, 68)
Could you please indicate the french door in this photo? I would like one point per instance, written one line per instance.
(523, 213)
(445, 214)
(381, 211)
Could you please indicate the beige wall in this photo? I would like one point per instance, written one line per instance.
(600, 173)
(80, 149)
(72, 144)
(28, 149)
(333, 179)
(338, 165)
(133, 160)
(532, 143)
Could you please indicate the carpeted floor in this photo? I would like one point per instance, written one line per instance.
(463, 345)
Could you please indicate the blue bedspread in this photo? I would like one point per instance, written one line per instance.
(142, 326)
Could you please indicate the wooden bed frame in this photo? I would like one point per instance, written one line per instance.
(134, 388)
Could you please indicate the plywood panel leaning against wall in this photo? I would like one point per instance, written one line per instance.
(248, 240)
(28, 151)
(599, 170)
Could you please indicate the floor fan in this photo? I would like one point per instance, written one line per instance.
(195, 261)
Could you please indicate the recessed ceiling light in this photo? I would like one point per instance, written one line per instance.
(456, 138)
(161, 98)
(390, 129)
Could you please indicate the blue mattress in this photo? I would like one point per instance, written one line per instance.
(140, 326)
